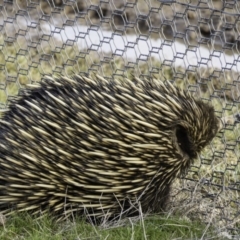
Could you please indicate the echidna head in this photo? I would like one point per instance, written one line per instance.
(197, 127)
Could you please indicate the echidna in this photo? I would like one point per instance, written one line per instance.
(78, 145)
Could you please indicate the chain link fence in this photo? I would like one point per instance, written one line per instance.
(194, 43)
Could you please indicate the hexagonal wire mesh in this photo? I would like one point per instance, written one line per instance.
(193, 43)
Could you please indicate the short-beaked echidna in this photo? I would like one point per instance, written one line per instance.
(97, 146)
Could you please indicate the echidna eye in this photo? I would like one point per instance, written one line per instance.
(184, 141)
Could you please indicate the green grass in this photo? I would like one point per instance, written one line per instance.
(23, 226)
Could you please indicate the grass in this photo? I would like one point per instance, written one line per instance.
(23, 226)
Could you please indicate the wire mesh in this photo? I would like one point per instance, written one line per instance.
(193, 43)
